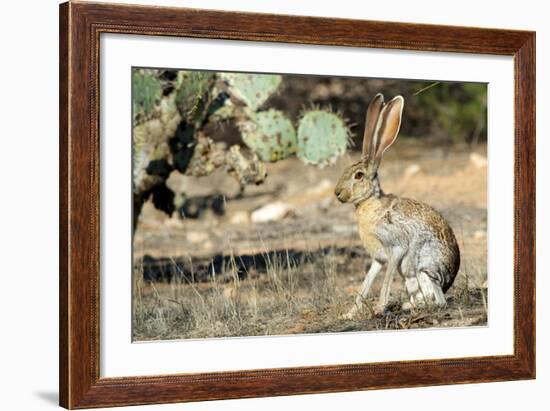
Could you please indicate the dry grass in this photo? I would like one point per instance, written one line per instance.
(289, 297)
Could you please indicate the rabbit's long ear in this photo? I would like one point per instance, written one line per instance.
(373, 113)
(388, 126)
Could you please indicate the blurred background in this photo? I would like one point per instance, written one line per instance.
(443, 112)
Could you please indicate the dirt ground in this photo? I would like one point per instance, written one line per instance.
(285, 257)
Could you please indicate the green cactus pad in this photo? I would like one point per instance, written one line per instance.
(270, 134)
(252, 89)
(322, 137)
(193, 93)
(160, 127)
(146, 94)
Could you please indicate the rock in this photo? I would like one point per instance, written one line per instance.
(240, 217)
(478, 160)
(271, 212)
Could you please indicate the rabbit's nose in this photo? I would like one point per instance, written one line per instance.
(342, 194)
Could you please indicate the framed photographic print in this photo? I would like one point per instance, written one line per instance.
(258, 205)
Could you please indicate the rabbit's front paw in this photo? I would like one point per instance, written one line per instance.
(379, 309)
(351, 314)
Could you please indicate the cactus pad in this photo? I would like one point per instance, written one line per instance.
(251, 89)
(194, 94)
(147, 92)
(322, 137)
(269, 134)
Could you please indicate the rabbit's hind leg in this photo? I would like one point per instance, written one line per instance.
(431, 290)
(415, 294)
(423, 291)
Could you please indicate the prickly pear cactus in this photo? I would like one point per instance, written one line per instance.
(322, 137)
(173, 112)
(251, 89)
(194, 94)
(270, 134)
(147, 92)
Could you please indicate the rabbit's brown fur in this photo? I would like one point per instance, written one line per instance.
(408, 236)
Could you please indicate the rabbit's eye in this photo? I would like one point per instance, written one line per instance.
(359, 175)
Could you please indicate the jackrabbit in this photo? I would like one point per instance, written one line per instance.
(408, 236)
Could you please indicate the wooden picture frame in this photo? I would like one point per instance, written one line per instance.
(80, 27)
